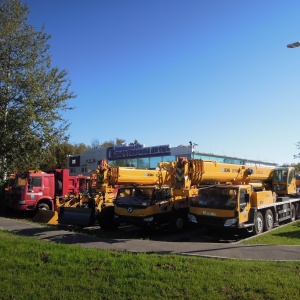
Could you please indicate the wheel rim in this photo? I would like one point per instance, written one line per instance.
(259, 224)
(293, 213)
(179, 223)
(269, 221)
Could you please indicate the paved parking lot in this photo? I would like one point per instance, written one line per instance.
(230, 250)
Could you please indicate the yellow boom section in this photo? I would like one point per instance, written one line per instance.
(197, 171)
(111, 176)
(207, 171)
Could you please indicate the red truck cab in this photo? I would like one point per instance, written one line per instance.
(37, 190)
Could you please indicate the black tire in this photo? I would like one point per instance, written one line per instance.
(106, 219)
(258, 223)
(268, 220)
(293, 213)
(178, 222)
(43, 206)
(92, 203)
(297, 209)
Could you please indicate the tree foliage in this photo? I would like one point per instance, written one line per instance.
(298, 147)
(56, 156)
(297, 166)
(33, 94)
(111, 143)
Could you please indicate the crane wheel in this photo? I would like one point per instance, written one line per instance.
(106, 219)
(293, 213)
(297, 209)
(258, 223)
(178, 222)
(269, 220)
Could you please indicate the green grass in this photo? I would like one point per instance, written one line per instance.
(285, 235)
(34, 269)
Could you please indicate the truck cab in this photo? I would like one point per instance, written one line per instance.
(150, 207)
(249, 207)
(225, 207)
(30, 188)
(37, 190)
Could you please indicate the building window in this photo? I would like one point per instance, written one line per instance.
(84, 169)
(72, 170)
(154, 161)
(143, 163)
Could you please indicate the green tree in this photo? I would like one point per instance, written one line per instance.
(111, 143)
(95, 144)
(297, 167)
(33, 94)
(298, 147)
(56, 155)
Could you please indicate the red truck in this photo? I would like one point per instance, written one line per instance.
(36, 190)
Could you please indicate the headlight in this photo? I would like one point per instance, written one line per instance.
(230, 222)
(279, 187)
(21, 202)
(192, 218)
(150, 219)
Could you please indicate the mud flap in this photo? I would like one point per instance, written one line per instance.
(76, 216)
(46, 216)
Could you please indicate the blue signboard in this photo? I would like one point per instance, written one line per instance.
(136, 151)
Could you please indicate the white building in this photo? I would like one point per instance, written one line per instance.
(142, 157)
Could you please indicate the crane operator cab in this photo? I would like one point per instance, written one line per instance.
(215, 197)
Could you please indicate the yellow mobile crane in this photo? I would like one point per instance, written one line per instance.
(253, 198)
(145, 198)
(99, 203)
(162, 204)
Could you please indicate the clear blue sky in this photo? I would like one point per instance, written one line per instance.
(214, 72)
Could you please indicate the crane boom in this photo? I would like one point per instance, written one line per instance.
(187, 173)
(111, 176)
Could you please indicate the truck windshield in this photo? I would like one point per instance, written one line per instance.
(20, 181)
(280, 175)
(134, 196)
(216, 197)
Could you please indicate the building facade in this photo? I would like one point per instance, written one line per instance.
(141, 157)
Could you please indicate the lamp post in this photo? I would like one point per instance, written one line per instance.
(294, 45)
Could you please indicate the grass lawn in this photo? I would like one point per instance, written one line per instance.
(34, 269)
(288, 234)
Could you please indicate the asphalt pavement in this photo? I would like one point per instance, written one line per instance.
(214, 250)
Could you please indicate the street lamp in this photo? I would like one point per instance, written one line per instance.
(294, 45)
